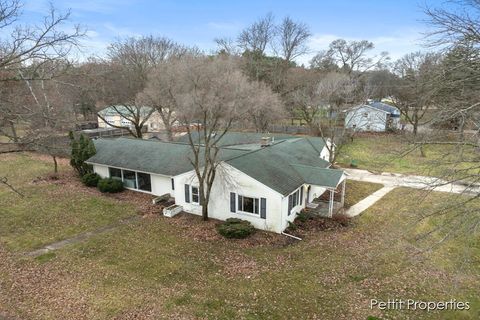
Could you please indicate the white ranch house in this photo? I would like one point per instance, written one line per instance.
(264, 183)
(374, 116)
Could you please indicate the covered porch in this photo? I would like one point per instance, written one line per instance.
(330, 202)
(325, 190)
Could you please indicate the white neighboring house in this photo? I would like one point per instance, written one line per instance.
(114, 118)
(374, 116)
(266, 184)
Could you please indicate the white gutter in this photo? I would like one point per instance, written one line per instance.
(291, 236)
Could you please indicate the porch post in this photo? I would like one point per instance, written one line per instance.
(330, 203)
(343, 191)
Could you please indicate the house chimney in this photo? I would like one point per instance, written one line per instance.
(265, 142)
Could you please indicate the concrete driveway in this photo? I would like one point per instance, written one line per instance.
(416, 182)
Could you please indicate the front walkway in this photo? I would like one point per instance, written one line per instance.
(393, 180)
(367, 202)
(80, 237)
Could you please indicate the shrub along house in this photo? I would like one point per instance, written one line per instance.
(264, 182)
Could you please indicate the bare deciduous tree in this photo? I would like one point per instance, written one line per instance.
(415, 92)
(321, 103)
(30, 47)
(293, 38)
(130, 62)
(455, 31)
(265, 108)
(43, 42)
(50, 110)
(351, 56)
(458, 24)
(143, 54)
(379, 84)
(162, 91)
(257, 36)
(226, 46)
(324, 61)
(212, 96)
(337, 93)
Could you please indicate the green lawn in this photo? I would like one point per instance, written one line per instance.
(389, 153)
(358, 190)
(180, 268)
(51, 210)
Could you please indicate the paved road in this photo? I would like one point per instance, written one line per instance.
(393, 180)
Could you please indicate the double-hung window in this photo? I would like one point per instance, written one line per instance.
(242, 204)
(195, 196)
(248, 204)
(192, 194)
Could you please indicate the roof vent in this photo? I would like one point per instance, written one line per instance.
(265, 142)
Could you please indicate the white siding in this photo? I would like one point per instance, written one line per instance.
(315, 192)
(229, 179)
(161, 185)
(102, 171)
(295, 210)
(366, 119)
(325, 154)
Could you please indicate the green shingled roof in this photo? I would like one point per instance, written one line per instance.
(240, 138)
(320, 176)
(283, 166)
(272, 165)
(268, 168)
(150, 156)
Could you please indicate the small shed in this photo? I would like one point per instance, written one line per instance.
(374, 116)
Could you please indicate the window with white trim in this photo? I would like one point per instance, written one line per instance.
(295, 199)
(115, 173)
(195, 195)
(132, 179)
(248, 204)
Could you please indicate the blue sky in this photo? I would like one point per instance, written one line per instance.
(393, 26)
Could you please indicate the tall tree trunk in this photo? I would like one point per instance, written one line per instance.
(55, 168)
(422, 151)
(204, 201)
(415, 124)
(205, 211)
(168, 131)
(14, 131)
(415, 129)
(461, 129)
(138, 132)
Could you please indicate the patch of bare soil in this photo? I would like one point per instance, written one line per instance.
(315, 224)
